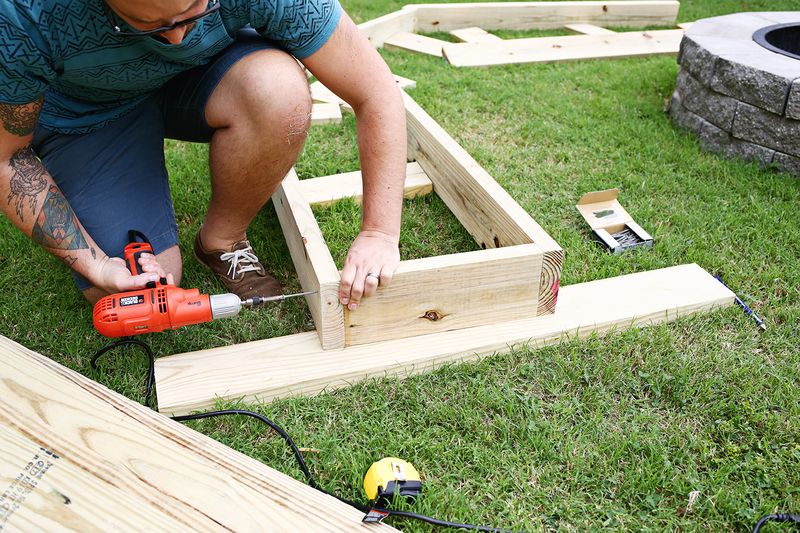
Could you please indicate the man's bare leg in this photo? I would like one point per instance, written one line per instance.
(261, 111)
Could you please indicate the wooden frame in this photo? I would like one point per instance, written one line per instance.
(516, 275)
(469, 22)
(296, 365)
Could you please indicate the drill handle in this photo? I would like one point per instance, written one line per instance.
(134, 250)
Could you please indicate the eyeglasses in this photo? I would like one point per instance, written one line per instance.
(213, 7)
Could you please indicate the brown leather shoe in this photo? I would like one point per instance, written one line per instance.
(238, 269)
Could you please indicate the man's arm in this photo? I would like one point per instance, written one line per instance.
(349, 66)
(33, 202)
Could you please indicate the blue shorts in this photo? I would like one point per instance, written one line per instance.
(115, 179)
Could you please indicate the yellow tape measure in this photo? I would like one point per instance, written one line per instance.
(391, 476)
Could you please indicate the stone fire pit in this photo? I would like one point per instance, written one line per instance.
(740, 97)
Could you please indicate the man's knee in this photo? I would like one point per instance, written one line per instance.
(266, 89)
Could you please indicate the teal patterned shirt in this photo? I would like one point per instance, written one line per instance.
(66, 51)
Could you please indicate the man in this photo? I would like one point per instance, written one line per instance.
(90, 88)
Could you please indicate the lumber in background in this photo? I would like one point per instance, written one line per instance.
(564, 48)
(295, 365)
(77, 456)
(520, 16)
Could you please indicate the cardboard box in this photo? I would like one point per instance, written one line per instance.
(612, 226)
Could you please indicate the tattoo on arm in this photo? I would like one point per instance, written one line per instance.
(20, 120)
(56, 225)
(69, 260)
(28, 179)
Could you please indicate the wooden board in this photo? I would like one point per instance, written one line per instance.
(76, 456)
(588, 29)
(312, 261)
(328, 189)
(482, 206)
(325, 113)
(377, 30)
(541, 15)
(475, 35)
(568, 48)
(321, 94)
(415, 43)
(450, 292)
(295, 364)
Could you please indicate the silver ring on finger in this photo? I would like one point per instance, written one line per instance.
(374, 275)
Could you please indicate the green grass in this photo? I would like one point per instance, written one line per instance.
(611, 432)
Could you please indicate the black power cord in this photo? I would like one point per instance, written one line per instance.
(313, 482)
(151, 366)
(779, 517)
(131, 341)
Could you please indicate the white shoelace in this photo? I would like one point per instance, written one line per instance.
(241, 261)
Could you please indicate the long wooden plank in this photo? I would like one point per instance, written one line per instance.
(588, 29)
(475, 35)
(295, 365)
(312, 261)
(482, 206)
(542, 15)
(567, 48)
(450, 292)
(328, 189)
(76, 456)
(413, 42)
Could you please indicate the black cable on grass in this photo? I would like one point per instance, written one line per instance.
(313, 482)
(779, 517)
(151, 367)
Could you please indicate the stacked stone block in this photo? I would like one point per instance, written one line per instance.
(741, 99)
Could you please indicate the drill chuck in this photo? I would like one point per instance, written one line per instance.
(225, 305)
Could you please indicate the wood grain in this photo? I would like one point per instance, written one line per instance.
(75, 456)
(450, 292)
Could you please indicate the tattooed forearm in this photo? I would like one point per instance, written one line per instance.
(56, 225)
(20, 119)
(28, 179)
(69, 260)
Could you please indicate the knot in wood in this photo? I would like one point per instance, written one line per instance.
(432, 315)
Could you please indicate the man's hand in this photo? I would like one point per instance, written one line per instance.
(113, 274)
(371, 261)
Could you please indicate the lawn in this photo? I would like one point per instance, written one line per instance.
(610, 432)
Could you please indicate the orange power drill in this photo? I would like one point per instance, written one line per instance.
(161, 306)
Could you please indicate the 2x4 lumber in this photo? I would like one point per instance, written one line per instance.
(474, 35)
(377, 30)
(295, 365)
(542, 15)
(482, 206)
(413, 42)
(450, 292)
(571, 47)
(321, 94)
(325, 113)
(326, 190)
(588, 29)
(312, 260)
(76, 456)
